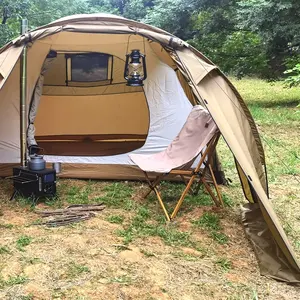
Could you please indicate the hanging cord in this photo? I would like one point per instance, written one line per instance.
(243, 113)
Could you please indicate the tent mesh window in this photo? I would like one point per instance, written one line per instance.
(89, 68)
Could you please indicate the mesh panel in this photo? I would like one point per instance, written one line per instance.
(89, 67)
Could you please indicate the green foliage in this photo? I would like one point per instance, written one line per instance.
(245, 54)
(277, 22)
(172, 16)
(257, 37)
(293, 78)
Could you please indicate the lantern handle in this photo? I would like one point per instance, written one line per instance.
(144, 65)
(126, 67)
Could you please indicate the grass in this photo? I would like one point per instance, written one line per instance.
(75, 270)
(116, 219)
(275, 110)
(23, 241)
(27, 297)
(224, 264)
(6, 226)
(211, 222)
(141, 225)
(4, 250)
(77, 195)
(219, 237)
(147, 253)
(13, 280)
(124, 279)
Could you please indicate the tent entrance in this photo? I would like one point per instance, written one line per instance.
(82, 107)
(97, 125)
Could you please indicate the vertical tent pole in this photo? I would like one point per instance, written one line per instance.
(23, 96)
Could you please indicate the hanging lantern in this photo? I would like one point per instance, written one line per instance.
(135, 70)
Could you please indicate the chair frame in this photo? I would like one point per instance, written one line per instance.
(206, 159)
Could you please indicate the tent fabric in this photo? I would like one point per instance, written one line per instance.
(36, 101)
(168, 107)
(8, 60)
(272, 261)
(192, 138)
(168, 104)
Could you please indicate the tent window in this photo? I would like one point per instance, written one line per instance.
(89, 68)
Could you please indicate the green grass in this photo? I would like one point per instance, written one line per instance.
(13, 280)
(147, 253)
(6, 226)
(4, 250)
(224, 264)
(185, 256)
(209, 221)
(115, 219)
(23, 241)
(142, 225)
(75, 270)
(77, 195)
(124, 279)
(27, 297)
(276, 110)
(219, 237)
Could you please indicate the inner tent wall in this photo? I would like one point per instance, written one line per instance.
(90, 119)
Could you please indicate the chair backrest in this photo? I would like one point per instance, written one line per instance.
(195, 134)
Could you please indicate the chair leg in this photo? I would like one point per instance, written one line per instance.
(186, 183)
(196, 190)
(179, 203)
(216, 186)
(152, 184)
(210, 192)
(161, 203)
(154, 188)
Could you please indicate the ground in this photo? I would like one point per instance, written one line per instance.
(128, 251)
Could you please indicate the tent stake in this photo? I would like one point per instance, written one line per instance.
(23, 120)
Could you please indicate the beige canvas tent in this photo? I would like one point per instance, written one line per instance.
(91, 125)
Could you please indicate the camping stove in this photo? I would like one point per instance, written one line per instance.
(34, 184)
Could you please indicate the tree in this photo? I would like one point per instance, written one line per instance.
(173, 16)
(277, 22)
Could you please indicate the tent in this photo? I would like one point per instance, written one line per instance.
(89, 119)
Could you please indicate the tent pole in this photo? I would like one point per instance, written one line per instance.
(23, 119)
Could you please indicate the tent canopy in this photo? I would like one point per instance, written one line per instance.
(104, 120)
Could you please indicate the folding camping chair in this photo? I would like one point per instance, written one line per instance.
(189, 155)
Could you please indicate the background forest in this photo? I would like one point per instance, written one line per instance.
(243, 37)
